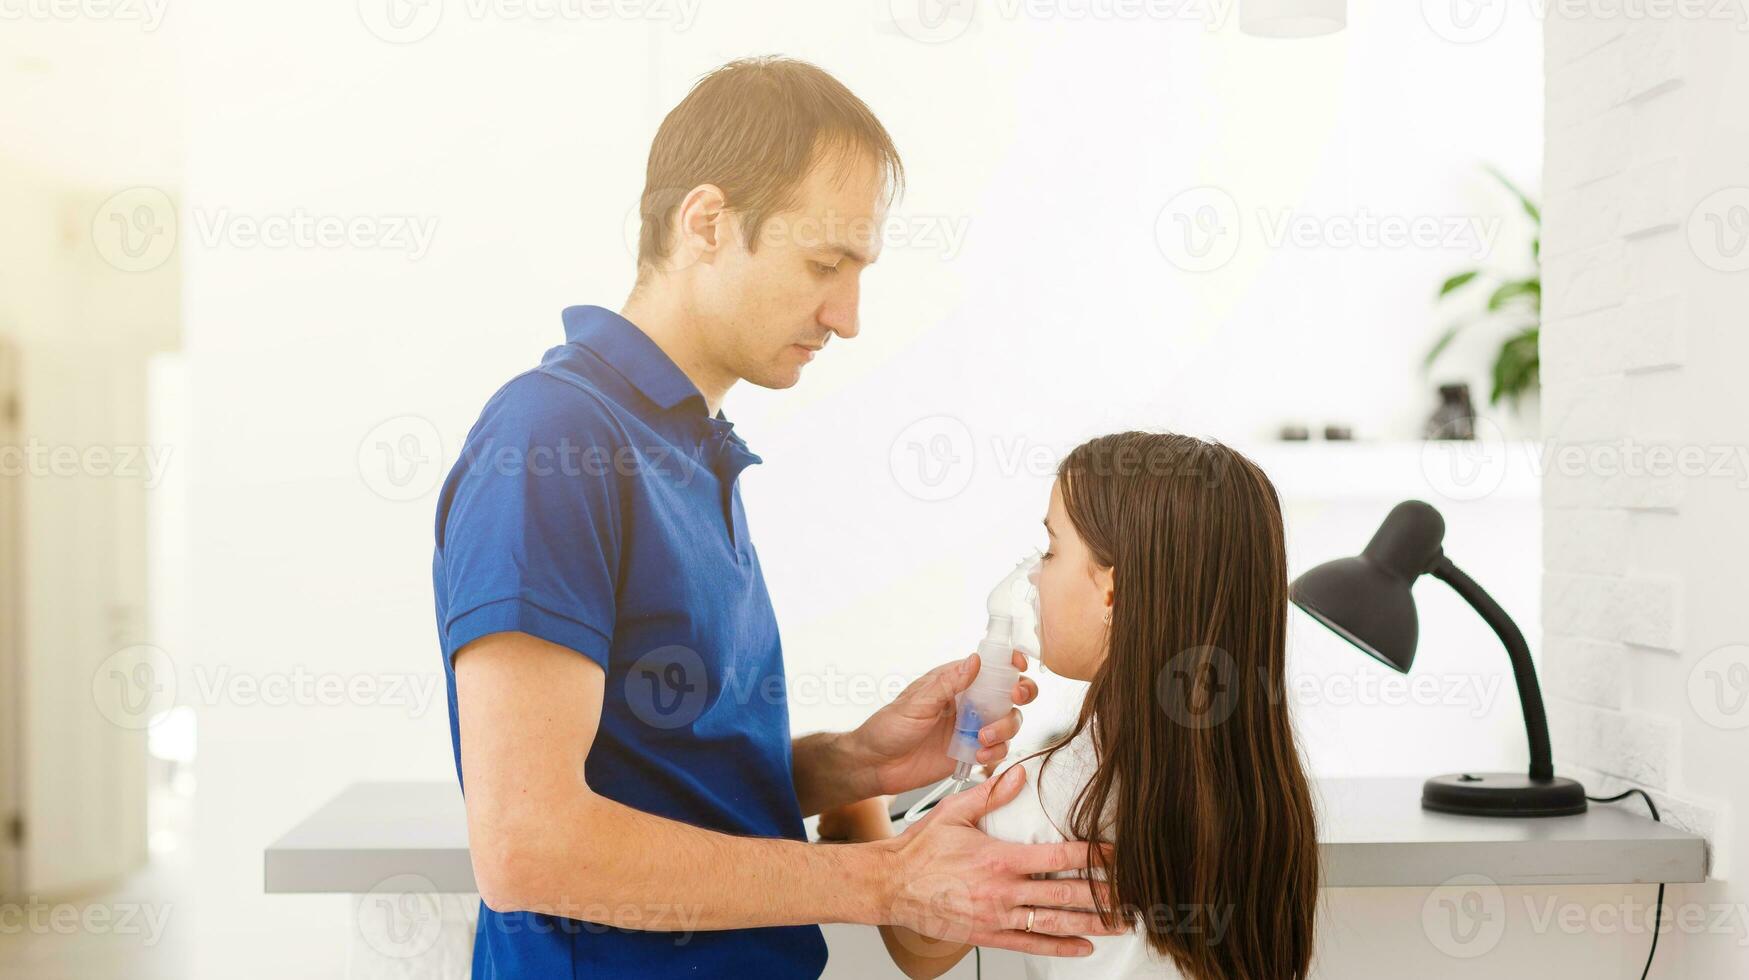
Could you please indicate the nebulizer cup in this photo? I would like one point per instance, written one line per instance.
(1013, 625)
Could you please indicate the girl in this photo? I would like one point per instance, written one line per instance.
(1165, 588)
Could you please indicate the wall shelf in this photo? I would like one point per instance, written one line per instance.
(1441, 473)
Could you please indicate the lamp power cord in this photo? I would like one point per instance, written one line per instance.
(1658, 909)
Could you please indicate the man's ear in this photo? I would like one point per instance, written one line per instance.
(703, 221)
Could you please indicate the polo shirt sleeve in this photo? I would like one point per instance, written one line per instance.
(529, 521)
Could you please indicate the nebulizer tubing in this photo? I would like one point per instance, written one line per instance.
(1013, 625)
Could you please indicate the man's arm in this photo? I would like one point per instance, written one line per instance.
(826, 772)
(542, 840)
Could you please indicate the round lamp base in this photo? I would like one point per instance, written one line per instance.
(1503, 794)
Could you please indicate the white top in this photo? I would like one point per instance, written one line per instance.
(1033, 817)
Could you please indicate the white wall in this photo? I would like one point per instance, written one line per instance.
(1648, 216)
(78, 328)
(1054, 143)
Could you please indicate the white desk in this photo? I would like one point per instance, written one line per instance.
(401, 849)
(1374, 834)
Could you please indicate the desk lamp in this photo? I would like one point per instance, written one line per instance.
(1367, 601)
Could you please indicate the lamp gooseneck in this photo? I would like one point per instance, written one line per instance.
(1530, 696)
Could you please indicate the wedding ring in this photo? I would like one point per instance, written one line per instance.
(1029, 914)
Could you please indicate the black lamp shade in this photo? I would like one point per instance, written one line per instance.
(1366, 599)
(1364, 605)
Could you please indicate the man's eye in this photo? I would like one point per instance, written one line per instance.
(823, 269)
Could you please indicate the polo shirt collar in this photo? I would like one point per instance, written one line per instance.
(631, 352)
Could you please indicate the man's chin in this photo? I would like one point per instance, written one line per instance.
(777, 379)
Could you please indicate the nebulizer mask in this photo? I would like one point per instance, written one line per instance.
(1013, 625)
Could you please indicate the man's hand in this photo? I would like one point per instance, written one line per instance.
(957, 885)
(904, 745)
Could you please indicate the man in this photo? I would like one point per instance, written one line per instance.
(634, 798)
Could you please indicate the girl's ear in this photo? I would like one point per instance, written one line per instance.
(1105, 578)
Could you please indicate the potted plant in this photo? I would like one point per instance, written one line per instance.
(1516, 295)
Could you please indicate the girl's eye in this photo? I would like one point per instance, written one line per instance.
(1047, 556)
(823, 269)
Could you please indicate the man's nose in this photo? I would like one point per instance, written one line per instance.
(838, 314)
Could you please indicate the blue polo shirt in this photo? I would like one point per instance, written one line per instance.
(595, 505)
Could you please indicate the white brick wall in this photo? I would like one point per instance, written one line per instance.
(1645, 349)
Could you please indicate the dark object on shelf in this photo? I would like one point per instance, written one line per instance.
(1338, 433)
(1294, 433)
(1455, 418)
(1367, 601)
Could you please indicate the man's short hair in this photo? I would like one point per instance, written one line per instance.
(754, 127)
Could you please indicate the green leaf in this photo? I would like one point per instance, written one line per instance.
(1457, 282)
(1441, 344)
(1503, 384)
(1530, 207)
(1536, 250)
(1518, 368)
(1518, 288)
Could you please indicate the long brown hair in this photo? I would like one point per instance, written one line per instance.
(1199, 785)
